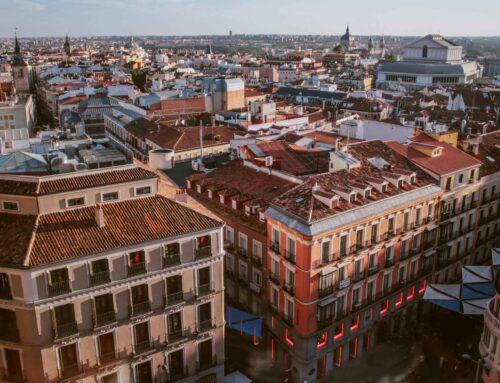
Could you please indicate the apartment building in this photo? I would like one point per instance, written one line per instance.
(349, 256)
(103, 280)
(239, 195)
(468, 210)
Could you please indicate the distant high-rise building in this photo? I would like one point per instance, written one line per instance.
(230, 33)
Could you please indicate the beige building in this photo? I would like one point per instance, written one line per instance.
(103, 280)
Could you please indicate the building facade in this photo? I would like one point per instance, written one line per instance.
(107, 282)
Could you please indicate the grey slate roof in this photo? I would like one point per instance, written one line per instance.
(285, 91)
(408, 67)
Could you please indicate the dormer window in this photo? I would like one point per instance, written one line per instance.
(221, 199)
(247, 210)
(198, 188)
(384, 188)
(400, 184)
(234, 205)
(352, 198)
(368, 193)
(210, 194)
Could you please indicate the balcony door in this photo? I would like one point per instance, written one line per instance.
(205, 353)
(143, 372)
(13, 364)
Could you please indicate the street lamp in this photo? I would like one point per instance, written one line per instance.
(481, 363)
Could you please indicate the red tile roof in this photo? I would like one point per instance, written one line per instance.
(451, 159)
(60, 236)
(77, 181)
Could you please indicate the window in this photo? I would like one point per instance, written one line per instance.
(390, 225)
(289, 311)
(325, 252)
(174, 289)
(143, 372)
(174, 326)
(99, 272)
(204, 316)
(143, 190)
(205, 356)
(136, 263)
(13, 365)
(8, 330)
(141, 337)
(176, 365)
(370, 288)
(355, 297)
(460, 178)
(13, 206)
(343, 246)
(59, 282)
(243, 272)
(104, 311)
(74, 202)
(386, 283)
(106, 346)
(111, 196)
(359, 239)
(5, 292)
(68, 361)
(374, 236)
(139, 299)
(64, 321)
(425, 51)
(204, 280)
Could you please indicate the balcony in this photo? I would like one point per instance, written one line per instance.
(274, 277)
(136, 269)
(178, 374)
(357, 276)
(100, 278)
(59, 288)
(142, 346)
(203, 252)
(288, 319)
(324, 323)
(205, 288)
(205, 364)
(171, 260)
(107, 357)
(372, 270)
(275, 247)
(289, 288)
(173, 298)
(257, 261)
(389, 262)
(70, 371)
(140, 308)
(242, 252)
(104, 319)
(205, 325)
(176, 336)
(290, 257)
(325, 291)
(64, 330)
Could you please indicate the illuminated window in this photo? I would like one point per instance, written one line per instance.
(423, 286)
(384, 308)
(322, 340)
(288, 340)
(339, 332)
(354, 323)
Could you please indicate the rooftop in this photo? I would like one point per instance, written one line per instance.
(52, 184)
(29, 240)
(449, 160)
(301, 202)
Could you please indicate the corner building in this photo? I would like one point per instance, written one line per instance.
(103, 280)
(349, 254)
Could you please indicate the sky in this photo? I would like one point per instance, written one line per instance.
(196, 17)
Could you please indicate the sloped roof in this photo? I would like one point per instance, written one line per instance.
(60, 236)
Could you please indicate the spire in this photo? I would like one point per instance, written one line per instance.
(67, 48)
(17, 48)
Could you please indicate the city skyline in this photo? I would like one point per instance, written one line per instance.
(43, 18)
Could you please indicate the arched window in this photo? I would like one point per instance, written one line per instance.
(425, 51)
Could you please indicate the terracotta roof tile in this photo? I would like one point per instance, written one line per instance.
(74, 233)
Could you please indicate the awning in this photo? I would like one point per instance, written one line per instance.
(329, 270)
(429, 253)
(432, 227)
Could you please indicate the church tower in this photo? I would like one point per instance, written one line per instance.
(382, 47)
(20, 70)
(370, 45)
(67, 47)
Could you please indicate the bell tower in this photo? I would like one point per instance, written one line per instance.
(20, 70)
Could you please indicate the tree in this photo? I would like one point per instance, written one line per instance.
(390, 57)
(138, 78)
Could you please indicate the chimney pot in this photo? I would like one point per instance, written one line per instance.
(99, 216)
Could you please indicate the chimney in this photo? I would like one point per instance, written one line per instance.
(99, 216)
